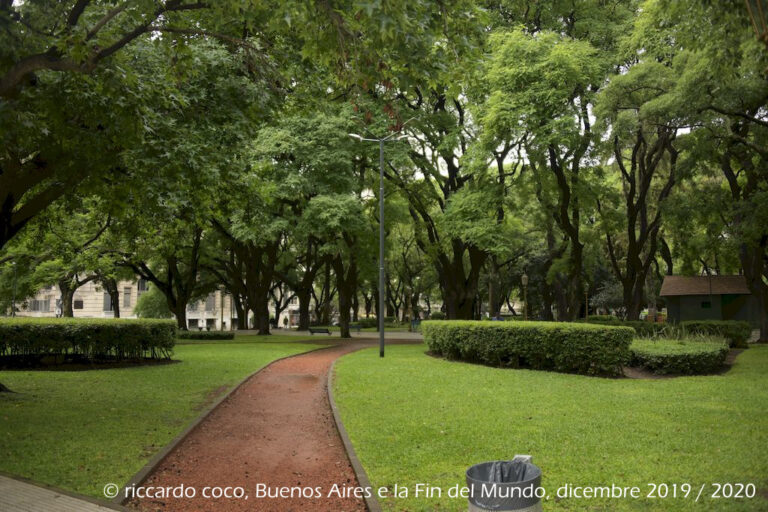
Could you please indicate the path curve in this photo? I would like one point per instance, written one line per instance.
(276, 429)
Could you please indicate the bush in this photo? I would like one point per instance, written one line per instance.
(95, 339)
(368, 322)
(688, 356)
(437, 315)
(642, 328)
(206, 335)
(603, 319)
(562, 347)
(737, 333)
(152, 304)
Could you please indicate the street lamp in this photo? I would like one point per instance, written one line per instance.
(524, 280)
(382, 279)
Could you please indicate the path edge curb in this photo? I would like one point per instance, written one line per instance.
(362, 477)
(139, 477)
(72, 494)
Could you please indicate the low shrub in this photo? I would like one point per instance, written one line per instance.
(603, 319)
(95, 339)
(642, 328)
(206, 335)
(368, 322)
(437, 315)
(737, 333)
(689, 356)
(563, 347)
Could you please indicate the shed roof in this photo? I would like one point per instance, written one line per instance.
(704, 285)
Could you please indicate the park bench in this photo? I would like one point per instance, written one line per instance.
(319, 330)
(355, 327)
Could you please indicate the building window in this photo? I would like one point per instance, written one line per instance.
(210, 302)
(40, 305)
(192, 324)
(78, 304)
(107, 302)
(706, 305)
(193, 306)
(141, 287)
(127, 297)
(294, 300)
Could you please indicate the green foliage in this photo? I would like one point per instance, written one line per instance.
(94, 339)
(689, 356)
(737, 333)
(597, 319)
(561, 347)
(206, 335)
(368, 322)
(641, 327)
(437, 315)
(152, 304)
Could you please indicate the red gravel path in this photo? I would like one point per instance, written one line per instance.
(276, 429)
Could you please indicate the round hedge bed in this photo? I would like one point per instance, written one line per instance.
(691, 356)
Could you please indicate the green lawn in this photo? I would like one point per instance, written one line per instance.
(81, 430)
(417, 419)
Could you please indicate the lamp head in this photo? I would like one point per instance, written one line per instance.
(524, 279)
(356, 136)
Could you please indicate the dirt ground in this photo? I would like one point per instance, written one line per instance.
(276, 431)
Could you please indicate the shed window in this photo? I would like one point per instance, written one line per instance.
(78, 304)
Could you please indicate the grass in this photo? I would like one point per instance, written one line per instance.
(81, 430)
(416, 419)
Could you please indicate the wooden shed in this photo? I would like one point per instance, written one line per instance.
(710, 298)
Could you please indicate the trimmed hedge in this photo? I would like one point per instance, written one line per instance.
(562, 347)
(737, 333)
(603, 319)
(94, 339)
(437, 315)
(368, 322)
(206, 335)
(683, 357)
(641, 327)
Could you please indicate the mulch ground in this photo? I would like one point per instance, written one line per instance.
(276, 430)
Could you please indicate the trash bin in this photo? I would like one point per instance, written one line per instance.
(505, 485)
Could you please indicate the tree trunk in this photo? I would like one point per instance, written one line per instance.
(355, 307)
(304, 300)
(261, 314)
(242, 313)
(114, 295)
(180, 310)
(67, 298)
(346, 284)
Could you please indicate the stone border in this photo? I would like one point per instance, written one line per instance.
(139, 478)
(71, 494)
(362, 477)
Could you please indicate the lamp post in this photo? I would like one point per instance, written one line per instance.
(382, 274)
(524, 280)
